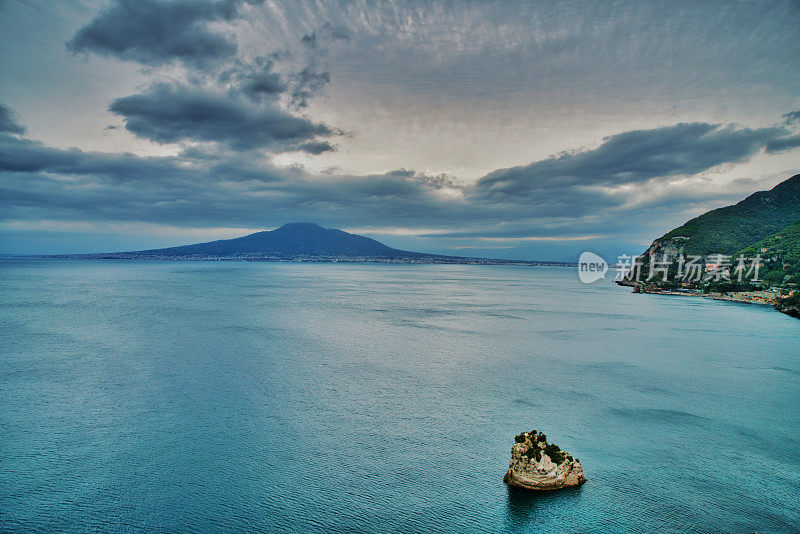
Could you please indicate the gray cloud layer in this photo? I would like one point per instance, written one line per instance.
(785, 143)
(634, 156)
(564, 195)
(169, 113)
(241, 105)
(239, 76)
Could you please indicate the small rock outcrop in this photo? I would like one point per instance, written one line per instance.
(538, 465)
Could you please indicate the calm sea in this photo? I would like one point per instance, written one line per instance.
(211, 397)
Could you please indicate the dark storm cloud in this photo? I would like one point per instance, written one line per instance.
(240, 106)
(259, 85)
(633, 157)
(7, 122)
(25, 156)
(239, 103)
(168, 113)
(156, 31)
(256, 80)
(792, 117)
(316, 147)
(785, 143)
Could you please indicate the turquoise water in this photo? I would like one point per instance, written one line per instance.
(200, 397)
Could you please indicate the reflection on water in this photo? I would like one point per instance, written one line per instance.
(526, 509)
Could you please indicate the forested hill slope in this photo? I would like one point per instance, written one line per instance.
(730, 229)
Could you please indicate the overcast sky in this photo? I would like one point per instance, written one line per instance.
(512, 129)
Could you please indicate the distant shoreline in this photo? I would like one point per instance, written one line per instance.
(744, 297)
(432, 260)
(787, 305)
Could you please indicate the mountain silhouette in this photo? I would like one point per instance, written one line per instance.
(295, 239)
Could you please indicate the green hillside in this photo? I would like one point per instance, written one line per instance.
(781, 255)
(732, 228)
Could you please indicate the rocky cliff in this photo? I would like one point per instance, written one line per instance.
(789, 305)
(538, 465)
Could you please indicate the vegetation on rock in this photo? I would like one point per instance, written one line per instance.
(781, 255)
(789, 305)
(536, 464)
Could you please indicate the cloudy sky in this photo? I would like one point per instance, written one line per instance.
(511, 129)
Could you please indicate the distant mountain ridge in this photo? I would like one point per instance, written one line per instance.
(303, 242)
(290, 240)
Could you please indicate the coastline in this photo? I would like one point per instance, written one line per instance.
(785, 305)
(761, 298)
